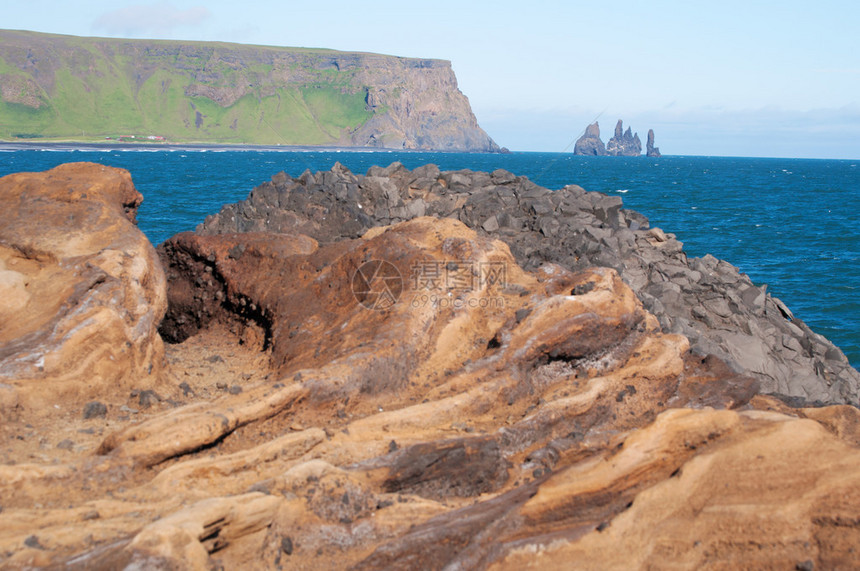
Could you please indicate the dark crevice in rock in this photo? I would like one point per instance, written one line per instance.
(199, 294)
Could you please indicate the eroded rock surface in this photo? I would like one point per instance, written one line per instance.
(719, 309)
(475, 414)
(81, 290)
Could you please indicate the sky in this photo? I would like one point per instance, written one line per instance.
(734, 78)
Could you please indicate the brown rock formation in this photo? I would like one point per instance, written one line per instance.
(489, 417)
(81, 290)
(705, 299)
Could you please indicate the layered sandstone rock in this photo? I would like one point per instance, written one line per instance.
(372, 419)
(81, 290)
(407, 396)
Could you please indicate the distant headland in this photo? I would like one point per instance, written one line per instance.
(622, 144)
(69, 88)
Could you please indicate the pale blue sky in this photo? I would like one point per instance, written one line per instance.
(731, 78)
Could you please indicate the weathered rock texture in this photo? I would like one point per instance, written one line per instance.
(590, 144)
(624, 143)
(720, 310)
(61, 86)
(494, 417)
(650, 149)
(81, 290)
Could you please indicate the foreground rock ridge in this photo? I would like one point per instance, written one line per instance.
(357, 379)
(59, 87)
(719, 309)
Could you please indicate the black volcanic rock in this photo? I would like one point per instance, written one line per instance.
(650, 149)
(590, 143)
(705, 299)
(624, 143)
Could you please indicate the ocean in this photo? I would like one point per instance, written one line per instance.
(788, 223)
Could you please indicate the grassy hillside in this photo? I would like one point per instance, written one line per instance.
(63, 87)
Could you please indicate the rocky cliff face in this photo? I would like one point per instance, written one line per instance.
(417, 105)
(624, 143)
(70, 87)
(360, 380)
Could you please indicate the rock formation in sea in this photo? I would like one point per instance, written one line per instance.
(624, 143)
(650, 149)
(415, 370)
(590, 144)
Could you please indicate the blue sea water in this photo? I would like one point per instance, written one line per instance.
(789, 223)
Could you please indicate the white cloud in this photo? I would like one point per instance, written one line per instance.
(150, 20)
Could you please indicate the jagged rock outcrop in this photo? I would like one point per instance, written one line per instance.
(485, 416)
(81, 290)
(624, 143)
(590, 144)
(720, 310)
(231, 93)
(650, 149)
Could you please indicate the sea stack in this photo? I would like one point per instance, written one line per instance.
(624, 143)
(650, 149)
(590, 143)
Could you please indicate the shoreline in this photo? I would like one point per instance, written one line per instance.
(10, 146)
(170, 147)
